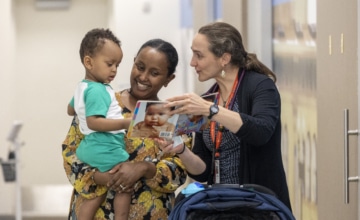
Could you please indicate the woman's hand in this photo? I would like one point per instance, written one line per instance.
(124, 176)
(167, 146)
(189, 103)
(192, 162)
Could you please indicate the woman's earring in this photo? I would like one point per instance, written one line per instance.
(223, 73)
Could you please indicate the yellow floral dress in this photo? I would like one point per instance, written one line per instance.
(152, 198)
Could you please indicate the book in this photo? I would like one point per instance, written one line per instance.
(152, 120)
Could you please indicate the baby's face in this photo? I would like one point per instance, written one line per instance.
(156, 115)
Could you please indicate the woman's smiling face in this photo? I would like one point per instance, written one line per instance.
(149, 73)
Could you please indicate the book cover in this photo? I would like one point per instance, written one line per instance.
(151, 120)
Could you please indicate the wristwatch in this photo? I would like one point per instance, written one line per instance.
(214, 109)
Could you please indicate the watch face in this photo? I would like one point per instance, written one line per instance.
(214, 109)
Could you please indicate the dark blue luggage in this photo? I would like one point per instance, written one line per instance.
(231, 203)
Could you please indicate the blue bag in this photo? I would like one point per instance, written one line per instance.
(231, 203)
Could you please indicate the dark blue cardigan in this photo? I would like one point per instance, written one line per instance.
(260, 134)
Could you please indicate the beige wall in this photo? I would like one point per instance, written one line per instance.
(47, 69)
(7, 81)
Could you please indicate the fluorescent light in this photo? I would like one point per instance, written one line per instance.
(52, 4)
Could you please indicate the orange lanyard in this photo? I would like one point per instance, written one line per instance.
(217, 141)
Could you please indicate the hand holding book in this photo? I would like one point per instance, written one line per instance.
(152, 119)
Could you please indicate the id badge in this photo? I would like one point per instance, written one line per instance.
(217, 171)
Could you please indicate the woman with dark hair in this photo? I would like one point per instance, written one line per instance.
(151, 176)
(242, 145)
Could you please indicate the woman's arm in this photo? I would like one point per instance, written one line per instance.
(264, 99)
(170, 174)
(264, 113)
(194, 104)
(160, 175)
(192, 163)
(128, 173)
(161, 171)
(79, 174)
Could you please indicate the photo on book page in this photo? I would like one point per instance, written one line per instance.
(192, 123)
(152, 120)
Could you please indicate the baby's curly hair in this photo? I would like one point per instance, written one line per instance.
(94, 41)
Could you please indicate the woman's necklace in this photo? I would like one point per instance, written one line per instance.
(224, 101)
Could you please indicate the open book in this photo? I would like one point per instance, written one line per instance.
(151, 119)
